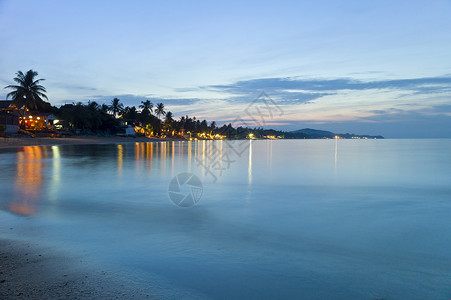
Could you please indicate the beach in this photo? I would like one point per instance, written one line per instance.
(31, 271)
(34, 271)
(42, 141)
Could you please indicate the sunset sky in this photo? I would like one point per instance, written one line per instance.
(364, 67)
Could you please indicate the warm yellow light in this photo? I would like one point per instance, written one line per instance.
(38, 118)
(31, 117)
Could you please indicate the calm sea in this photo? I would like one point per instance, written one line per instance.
(295, 219)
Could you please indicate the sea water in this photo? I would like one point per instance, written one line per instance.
(259, 219)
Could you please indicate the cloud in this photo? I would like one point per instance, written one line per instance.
(77, 87)
(301, 89)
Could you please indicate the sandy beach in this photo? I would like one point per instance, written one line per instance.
(35, 271)
(40, 141)
(30, 271)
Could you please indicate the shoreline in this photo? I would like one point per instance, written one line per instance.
(32, 271)
(14, 142)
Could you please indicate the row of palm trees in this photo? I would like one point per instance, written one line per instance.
(148, 106)
(118, 109)
(93, 117)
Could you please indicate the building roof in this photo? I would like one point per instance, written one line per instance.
(5, 103)
(48, 116)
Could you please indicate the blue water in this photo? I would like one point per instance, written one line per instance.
(298, 219)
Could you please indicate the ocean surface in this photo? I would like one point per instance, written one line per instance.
(272, 219)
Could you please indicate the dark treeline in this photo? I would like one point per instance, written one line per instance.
(93, 117)
(150, 120)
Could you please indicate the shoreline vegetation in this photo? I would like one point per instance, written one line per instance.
(31, 115)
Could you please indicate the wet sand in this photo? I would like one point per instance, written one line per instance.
(33, 271)
(29, 271)
(38, 141)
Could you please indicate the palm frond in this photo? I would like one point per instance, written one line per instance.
(12, 87)
(19, 80)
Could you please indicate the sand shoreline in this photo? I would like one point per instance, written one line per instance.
(31, 271)
(41, 141)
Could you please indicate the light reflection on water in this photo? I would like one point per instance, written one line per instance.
(285, 219)
(28, 180)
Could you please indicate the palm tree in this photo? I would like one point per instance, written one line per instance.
(116, 107)
(160, 110)
(93, 105)
(130, 113)
(168, 122)
(146, 105)
(105, 108)
(169, 119)
(28, 93)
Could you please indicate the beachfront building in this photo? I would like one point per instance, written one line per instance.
(8, 106)
(39, 121)
(9, 117)
(12, 115)
(126, 127)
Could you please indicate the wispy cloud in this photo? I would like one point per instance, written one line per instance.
(76, 87)
(278, 85)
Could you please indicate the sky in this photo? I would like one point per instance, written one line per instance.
(363, 67)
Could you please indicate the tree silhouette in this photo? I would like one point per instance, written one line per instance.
(116, 107)
(169, 118)
(160, 110)
(130, 113)
(146, 105)
(28, 93)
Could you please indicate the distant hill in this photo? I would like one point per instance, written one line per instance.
(314, 134)
(310, 133)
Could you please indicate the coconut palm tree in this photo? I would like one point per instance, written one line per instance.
(28, 93)
(93, 105)
(169, 119)
(105, 108)
(130, 113)
(213, 126)
(116, 107)
(146, 105)
(168, 122)
(160, 110)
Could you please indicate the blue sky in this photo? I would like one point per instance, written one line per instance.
(375, 67)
